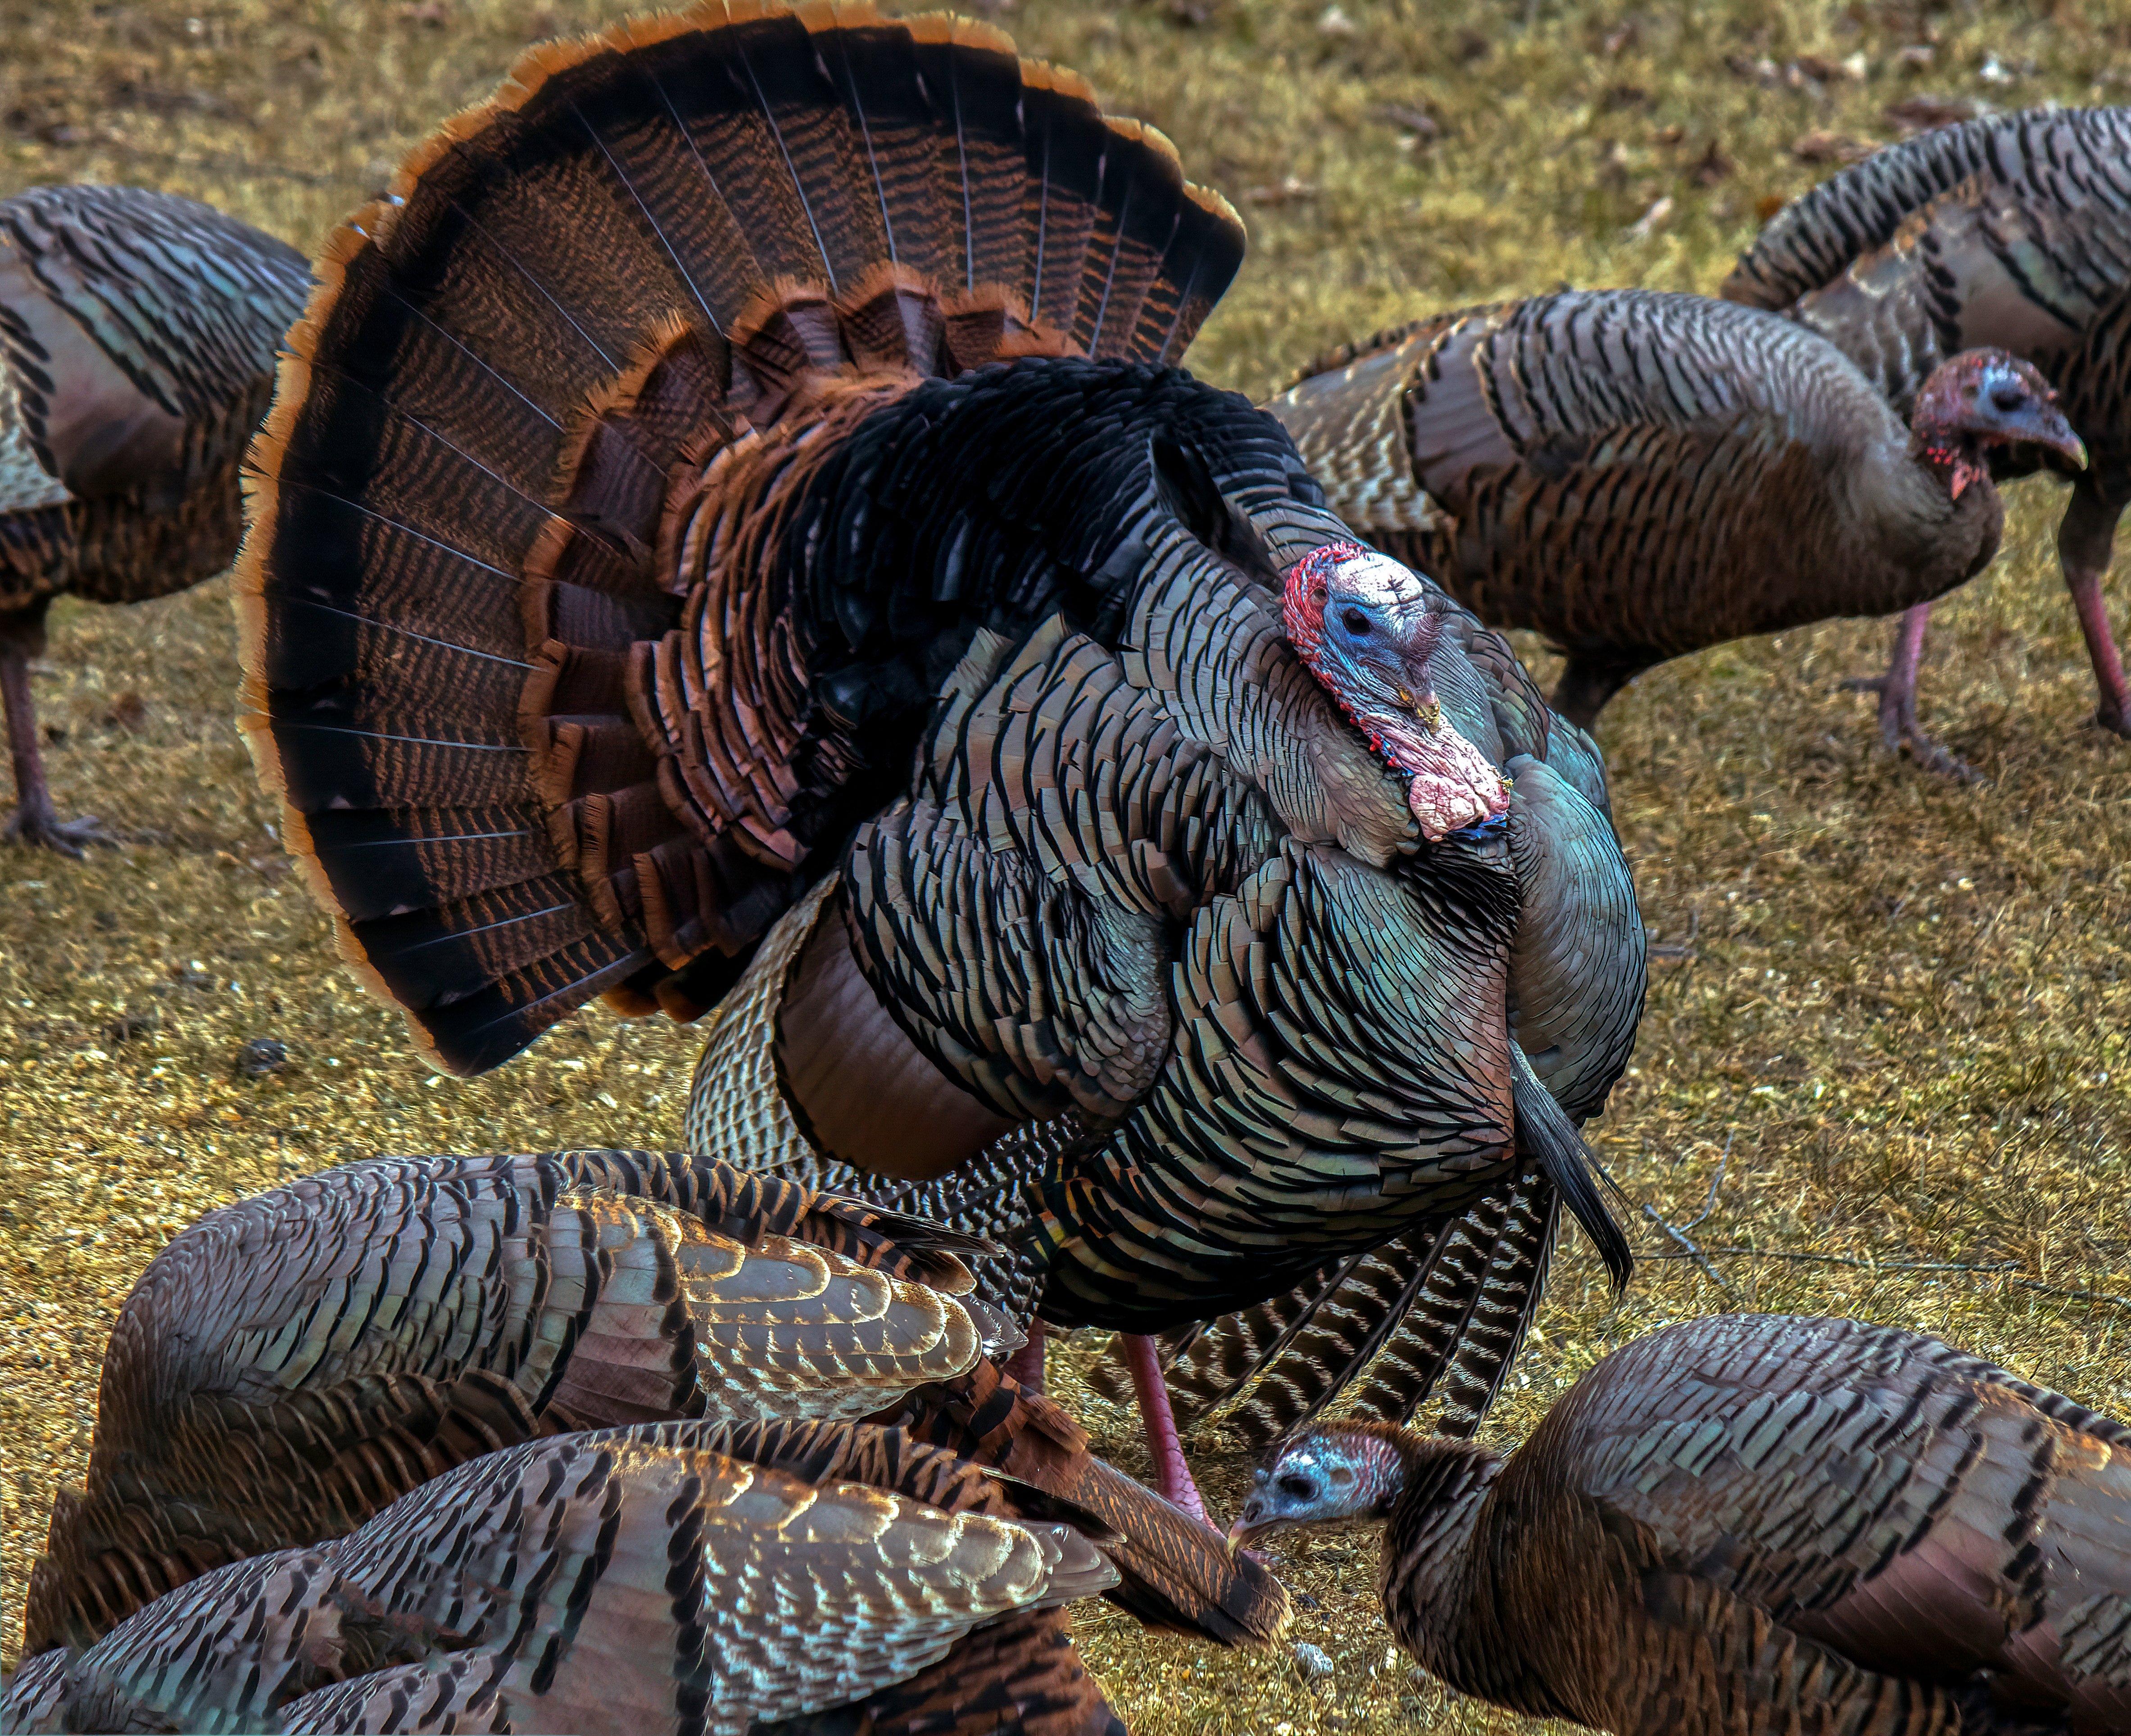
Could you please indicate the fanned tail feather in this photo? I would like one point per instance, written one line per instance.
(1466, 1329)
(1442, 1310)
(658, 265)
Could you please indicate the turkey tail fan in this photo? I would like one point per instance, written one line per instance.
(569, 360)
(1294, 1353)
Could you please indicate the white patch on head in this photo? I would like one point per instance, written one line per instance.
(1380, 583)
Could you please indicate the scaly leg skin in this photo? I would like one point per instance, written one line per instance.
(1898, 701)
(2085, 542)
(33, 821)
(1025, 1367)
(1172, 1473)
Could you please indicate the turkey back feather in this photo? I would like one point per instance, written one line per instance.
(2063, 154)
(544, 721)
(293, 1362)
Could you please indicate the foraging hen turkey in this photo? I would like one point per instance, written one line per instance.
(137, 339)
(749, 451)
(1757, 1523)
(293, 1362)
(2012, 231)
(1638, 475)
(680, 1577)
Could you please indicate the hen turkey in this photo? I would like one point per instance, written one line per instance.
(682, 1577)
(1638, 474)
(2012, 230)
(1757, 1523)
(137, 339)
(293, 1362)
(746, 461)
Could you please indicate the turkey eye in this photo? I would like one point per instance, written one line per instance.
(1355, 622)
(1301, 1488)
(2008, 399)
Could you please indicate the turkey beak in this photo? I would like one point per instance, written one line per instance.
(2042, 423)
(1252, 1522)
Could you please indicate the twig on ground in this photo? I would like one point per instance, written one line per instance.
(1716, 1181)
(2054, 1289)
(1700, 1257)
(1708, 1205)
(1851, 1259)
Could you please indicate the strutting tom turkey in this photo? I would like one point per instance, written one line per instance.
(138, 338)
(2012, 231)
(687, 1577)
(1637, 474)
(293, 1362)
(746, 460)
(1757, 1523)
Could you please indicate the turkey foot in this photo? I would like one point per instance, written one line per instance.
(34, 825)
(1897, 689)
(1172, 1473)
(33, 822)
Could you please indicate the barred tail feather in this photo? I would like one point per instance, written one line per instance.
(1437, 1313)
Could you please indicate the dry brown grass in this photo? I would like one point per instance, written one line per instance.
(1903, 1018)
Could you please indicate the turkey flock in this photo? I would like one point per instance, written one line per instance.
(731, 537)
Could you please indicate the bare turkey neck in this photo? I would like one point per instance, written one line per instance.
(1928, 540)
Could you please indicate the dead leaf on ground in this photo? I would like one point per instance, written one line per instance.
(1413, 118)
(1821, 146)
(1713, 165)
(1643, 226)
(1821, 71)
(128, 711)
(1288, 192)
(1927, 113)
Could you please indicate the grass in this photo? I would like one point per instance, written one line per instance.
(1897, 1028)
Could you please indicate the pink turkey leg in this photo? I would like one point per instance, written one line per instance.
(33, 821)
(1025, 1366)
(2085, 542)
(1172, 1475)
(1897, 699)
(2113, 710)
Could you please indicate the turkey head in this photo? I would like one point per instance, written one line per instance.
(1370, 630)
(1982, 399)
